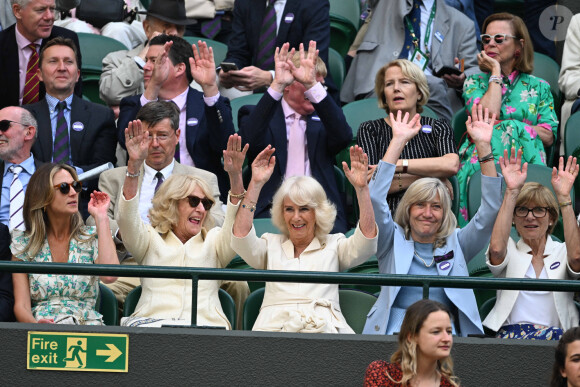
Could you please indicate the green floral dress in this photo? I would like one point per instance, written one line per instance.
(56, 296)
(526, 101)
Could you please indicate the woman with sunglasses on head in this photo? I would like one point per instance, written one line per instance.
(424, 354)
(54, 232)
(519, 314)
(180, 234)
(522, 103)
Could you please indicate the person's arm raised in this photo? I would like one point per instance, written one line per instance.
(234, 157)
(403, 131)
(480, 129)
(357, 176)
(137, 142)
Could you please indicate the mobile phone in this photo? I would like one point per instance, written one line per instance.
(447, 70)
(228, 66)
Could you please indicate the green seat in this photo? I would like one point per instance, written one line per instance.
(264, 225)
(371, 266)
(237, 103)
(342, 34)
(360, 111)
(94, 48)
(428, 112)
(355, 305)
(547, 69)
(91, 88)
(349, 9)
(458, 124)
(220, 49)
(107, 305)
(486, 307)
(239, 263)
(337, 67)
(572, 141)
(227, 302)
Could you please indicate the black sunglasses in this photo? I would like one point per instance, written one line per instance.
(205, 202)
(64, 188)
(5, 125)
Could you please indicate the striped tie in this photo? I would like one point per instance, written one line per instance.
(267, 42)
(31, 85)
(60, 153)
(159, 177)
(16, 199)
(210, 28)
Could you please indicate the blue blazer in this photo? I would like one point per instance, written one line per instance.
(9, 70)
(327, 133)
(302, 21)
(206, 132)
(395, 253)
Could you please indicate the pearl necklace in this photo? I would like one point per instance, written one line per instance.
(424, 262)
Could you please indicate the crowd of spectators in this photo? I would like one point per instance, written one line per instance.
(180, 194)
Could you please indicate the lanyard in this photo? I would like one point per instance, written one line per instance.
(427, 30)
(509, 90)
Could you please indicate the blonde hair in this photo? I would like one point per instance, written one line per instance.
(426, 190)
(541, 196)
(40, 193)
(304, 191)
(164, 213)
(406, 354)
(410, 71)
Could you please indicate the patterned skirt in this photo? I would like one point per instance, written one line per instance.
(529, 332)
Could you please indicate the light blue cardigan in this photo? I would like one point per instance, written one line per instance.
(465, 244)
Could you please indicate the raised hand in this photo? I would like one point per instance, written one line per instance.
(99, 204)
(403, 128)
(359, 165)
(202, 64)
(479, 125)
(283, 74)
(514, 173)
(263, 165)
(161, 66)
(234, 155)
(306, 73)
(137, 141)
(563, 178)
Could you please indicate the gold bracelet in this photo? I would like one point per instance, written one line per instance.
(238, 196)
(251, 208)
(568, 203)
(400, 185)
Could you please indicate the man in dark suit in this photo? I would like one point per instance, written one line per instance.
(205, 119)
(34, 24)
(71, 130)
(297, 94)
(297, 21)
(6, 289)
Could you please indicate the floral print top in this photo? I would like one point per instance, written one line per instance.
(55, 295)
(526, 101)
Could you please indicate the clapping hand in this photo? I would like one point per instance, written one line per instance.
(403, 128)
(137, 141)
(263, 166)
(563, 177)
(359, 164)
(234, 155)
(514, 173)
(479, 126)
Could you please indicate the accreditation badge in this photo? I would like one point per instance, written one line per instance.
(420, 59)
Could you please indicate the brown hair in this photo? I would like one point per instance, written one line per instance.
(59, 41)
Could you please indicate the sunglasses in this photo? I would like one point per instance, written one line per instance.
(64, 188)
(5, 125)
(497, 38)
(205, 202)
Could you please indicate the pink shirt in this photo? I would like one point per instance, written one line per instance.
(24, 54)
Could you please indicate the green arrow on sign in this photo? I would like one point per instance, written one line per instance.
(113, 353)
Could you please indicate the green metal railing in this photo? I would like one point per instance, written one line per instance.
(195, 274)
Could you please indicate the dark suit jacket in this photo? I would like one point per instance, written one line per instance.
(307, 20)
(92, 146)
(264, 124)
(6, 289)
(9, 75)
(206, 138)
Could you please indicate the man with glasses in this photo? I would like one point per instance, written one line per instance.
(161, 119)
(205, 119)
(71, 130)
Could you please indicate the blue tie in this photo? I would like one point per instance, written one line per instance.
(415, 18)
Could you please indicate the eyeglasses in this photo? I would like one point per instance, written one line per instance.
(160, 137)
(538, 212)
(498, 38)
(205, 202)
(5, 125)
(64, 188)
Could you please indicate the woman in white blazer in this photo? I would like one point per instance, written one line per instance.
(534, 211)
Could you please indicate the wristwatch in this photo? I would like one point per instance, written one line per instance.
(405, 165)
